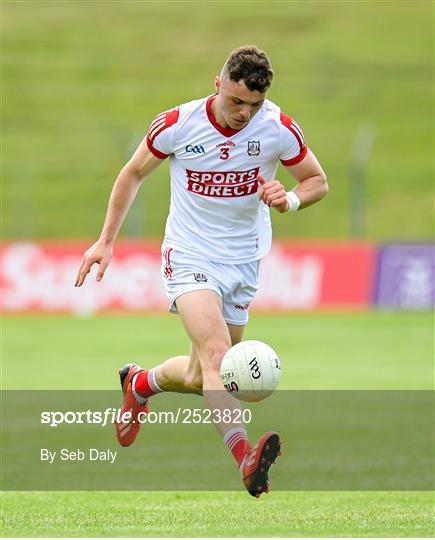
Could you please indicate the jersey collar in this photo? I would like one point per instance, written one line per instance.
(227, 132)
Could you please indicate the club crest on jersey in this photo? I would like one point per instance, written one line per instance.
(200, 277)
(253, 148)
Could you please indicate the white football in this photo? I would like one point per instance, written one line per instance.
(251, 370)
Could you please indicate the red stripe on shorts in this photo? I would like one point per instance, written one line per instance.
(168, 267)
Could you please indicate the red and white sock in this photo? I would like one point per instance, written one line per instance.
(144, 385)
(237, 441)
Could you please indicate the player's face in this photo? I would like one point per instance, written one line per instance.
(236, 104)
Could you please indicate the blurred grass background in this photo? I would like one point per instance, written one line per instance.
(318, 351)
(82, 81)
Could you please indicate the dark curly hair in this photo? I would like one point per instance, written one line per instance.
(251, 65)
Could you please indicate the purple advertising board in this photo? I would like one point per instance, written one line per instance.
(406, 277)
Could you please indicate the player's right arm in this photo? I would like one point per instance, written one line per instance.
(126, 186)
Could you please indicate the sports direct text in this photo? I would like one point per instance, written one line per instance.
(223, 184)
(179, 416)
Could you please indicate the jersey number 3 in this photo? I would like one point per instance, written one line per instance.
(224, 153)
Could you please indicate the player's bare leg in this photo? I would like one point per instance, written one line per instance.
(178, 374)
(201, 313)
(211, 336)
(236, 332)
(183, 373)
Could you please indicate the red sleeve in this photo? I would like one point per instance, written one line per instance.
(162, 122)
(154, 151)
(302, 149)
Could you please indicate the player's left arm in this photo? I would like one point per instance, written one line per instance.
(311, 185)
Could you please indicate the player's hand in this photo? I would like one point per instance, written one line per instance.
(99, 253)
(273, 194)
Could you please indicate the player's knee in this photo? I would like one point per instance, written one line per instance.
(212, 354)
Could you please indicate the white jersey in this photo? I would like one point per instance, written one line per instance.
(214, 209)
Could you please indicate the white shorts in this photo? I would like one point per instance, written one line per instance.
(236, 284)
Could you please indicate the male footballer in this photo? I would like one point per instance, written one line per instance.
(223, 153)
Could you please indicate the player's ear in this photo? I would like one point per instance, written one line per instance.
(217, 83)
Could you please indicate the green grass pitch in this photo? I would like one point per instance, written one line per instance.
(160, 514)
(318, 351)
